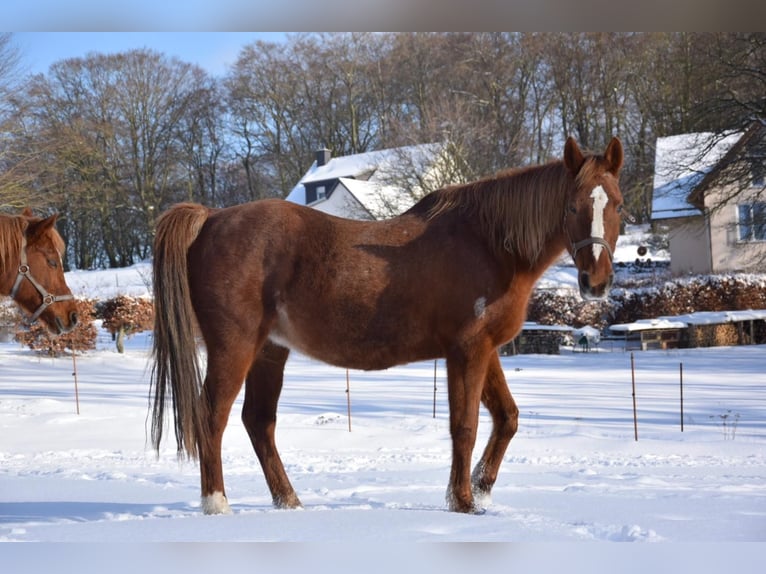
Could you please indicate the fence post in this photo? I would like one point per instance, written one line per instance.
(435, 387)
(681, 382)
(633, 378)
(74, 374)
(348, 399)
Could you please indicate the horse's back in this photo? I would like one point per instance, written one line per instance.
(361, 294)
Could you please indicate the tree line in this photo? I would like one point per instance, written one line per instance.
(111, 140)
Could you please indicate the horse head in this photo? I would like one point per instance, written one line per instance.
(593, 215)
(40, 287)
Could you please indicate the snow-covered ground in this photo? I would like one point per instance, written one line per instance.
(574, 472)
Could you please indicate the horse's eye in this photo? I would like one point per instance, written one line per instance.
(619, 209)
(52, 263)
(572, 209)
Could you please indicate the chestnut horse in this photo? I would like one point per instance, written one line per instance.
(32, 273)
(451, 278)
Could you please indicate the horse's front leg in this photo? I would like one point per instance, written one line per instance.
(465, 378)
(505, 420)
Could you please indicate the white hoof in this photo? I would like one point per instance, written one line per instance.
(216, 503)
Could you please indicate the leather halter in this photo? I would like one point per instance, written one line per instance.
(26, 272)
(590, 241)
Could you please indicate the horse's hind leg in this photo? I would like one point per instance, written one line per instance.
(505, 420)
(225, 374)
(259, 414)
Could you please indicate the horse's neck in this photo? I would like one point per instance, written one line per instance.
(554, 249)
(7, 278)
(9, 264)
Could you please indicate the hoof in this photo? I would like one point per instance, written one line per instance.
(469, 509)
(287, 502)
(464, 507)
(216, 503)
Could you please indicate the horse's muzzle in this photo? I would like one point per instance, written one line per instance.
(61, 328)
(589, 290)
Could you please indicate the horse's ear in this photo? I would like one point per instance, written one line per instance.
(573, 157)
(614, 155)
(37, 228)
(27, 212)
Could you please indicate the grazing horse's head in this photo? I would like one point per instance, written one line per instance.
(592, 218)
(39, 286)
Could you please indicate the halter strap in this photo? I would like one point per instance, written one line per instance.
(591, 241)
(26, 272)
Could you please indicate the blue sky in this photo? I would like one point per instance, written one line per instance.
(213, 51)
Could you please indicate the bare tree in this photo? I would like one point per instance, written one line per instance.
(14, 189)
(114, 133)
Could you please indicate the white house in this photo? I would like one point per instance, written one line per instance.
(371, 185)
(709, 197)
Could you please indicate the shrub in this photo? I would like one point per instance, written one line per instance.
(81, 338)
(561, 308)
(678, 297)
(703, 293)
(124, 316)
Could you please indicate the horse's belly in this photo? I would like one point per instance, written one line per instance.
(348, 345)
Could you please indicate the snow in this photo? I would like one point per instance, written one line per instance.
(680, 163)
(698, 318)
(574, 471)
(648, 324)
(379, 165)
(134, 281)
(378, 199)
(720, 317)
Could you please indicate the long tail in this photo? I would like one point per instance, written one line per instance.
(176, 373)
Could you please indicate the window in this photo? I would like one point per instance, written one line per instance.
(759, 173)
(321, 193)
(751, 221)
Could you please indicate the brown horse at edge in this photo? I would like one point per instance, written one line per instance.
(31, 270)
(449, 278)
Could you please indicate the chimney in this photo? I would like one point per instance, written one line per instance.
(323, 156)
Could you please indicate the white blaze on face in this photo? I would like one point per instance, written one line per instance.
(600, 199)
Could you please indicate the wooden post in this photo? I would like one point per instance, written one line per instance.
(633, 378)
(435, 388)
(348, 399)
(681, 382)
(74, 374)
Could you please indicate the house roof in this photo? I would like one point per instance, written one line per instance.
(753, 135)
(377, 168)
(378, 199)
(680, 165)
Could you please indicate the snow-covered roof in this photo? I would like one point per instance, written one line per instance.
(532, 326)
(648, 324)
(719, 317)
(680, 164)
(378, 199)
(698, 318)
(376, 168)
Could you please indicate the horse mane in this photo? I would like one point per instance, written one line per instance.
(10, 239)
(518, 209)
